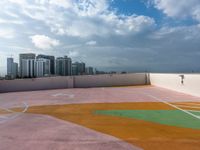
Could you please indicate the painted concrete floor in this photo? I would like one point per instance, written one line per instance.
(29, 127)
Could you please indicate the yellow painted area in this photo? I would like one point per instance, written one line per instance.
(147, 135)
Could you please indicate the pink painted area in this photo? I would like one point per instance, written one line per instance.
(39, 132)
(93, 95)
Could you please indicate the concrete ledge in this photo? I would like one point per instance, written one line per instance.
(85, 81)
(109, 80)
(35, 84)
(190, 85)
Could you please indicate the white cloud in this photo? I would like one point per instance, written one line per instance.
(91, 43)
(62, 3)
(73, 54)
(101, 25)
(163, 32)
(91, 7)
(133, 24)
(83, 18)
(182, 34)
(11, 14)
(7, 33)
(4, 21)
(44, 42)
(19, 2)
(180, 8)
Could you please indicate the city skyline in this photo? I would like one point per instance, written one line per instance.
(152, 35)
(31, 65)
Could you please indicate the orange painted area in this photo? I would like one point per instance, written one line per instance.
(147, 135)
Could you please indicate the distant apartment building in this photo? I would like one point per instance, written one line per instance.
(9, 66)
(89, 71)
(26, 62)
(74, 69)
(81, 68)
(15, 69)
(64, 66)
(27, 68)
(12, 68)
(78, 68)
(42, 67)
(52, 62)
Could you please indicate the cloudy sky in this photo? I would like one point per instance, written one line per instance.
(130, 35)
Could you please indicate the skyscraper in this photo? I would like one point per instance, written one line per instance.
(82, 68)
(64, 66)
(9, 66)
(59, 66)
(52, 62)
(24, 57)
(89, 71)
(27, 68)
(42, 67)
(74, 69)
(78, 68)
(12, 68)
(15, 69)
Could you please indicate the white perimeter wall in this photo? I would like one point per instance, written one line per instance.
(110, 80)
(173, 82)
(35, 84)
(73, 82)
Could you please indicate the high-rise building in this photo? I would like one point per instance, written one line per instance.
(64, 66)
(52, 62)
(15, 69)
(27, 68)
(42, 67)
(81, 68)
(9, 66)
(12, 68)
(74, 69)
(59, 66)
(23, 57)
(78, 68)
(89, 71)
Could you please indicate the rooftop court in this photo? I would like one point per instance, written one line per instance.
(101, 118)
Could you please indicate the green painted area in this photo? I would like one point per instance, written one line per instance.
(166, 117)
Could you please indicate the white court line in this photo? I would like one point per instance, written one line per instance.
(194, 110)
(16, 114)
(160, 100)
(26, 107)
(6, 109)
(188, 106)
(187, 103)
(63, 94)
